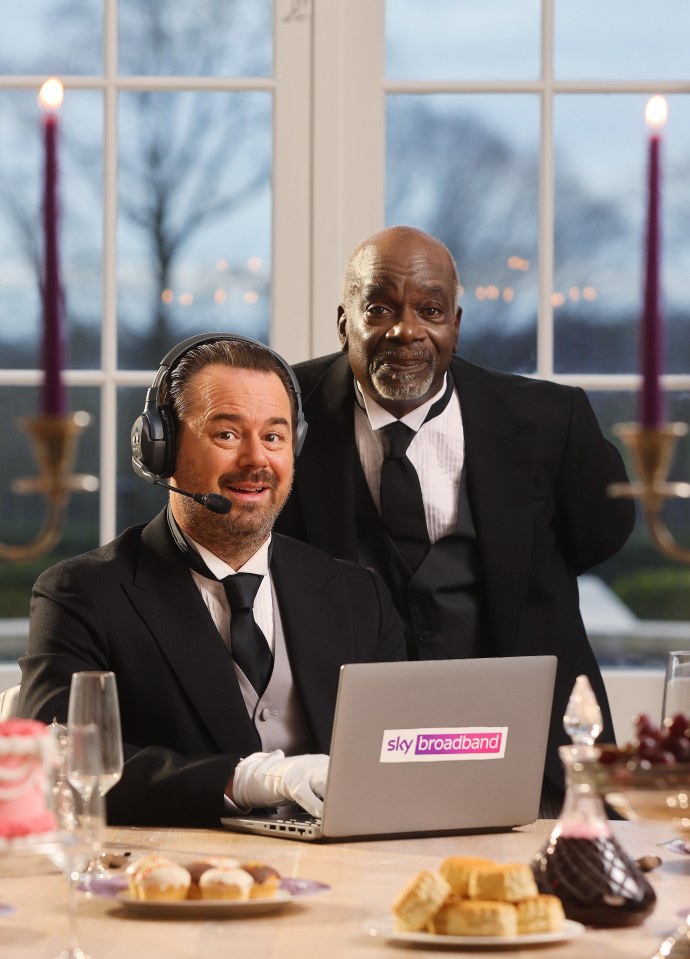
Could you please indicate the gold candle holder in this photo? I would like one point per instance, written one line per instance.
(55, 440)
(651, 454)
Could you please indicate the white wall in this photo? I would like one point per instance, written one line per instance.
(630, 692)
(9, 675)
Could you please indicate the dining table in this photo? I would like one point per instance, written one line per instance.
(343, 892)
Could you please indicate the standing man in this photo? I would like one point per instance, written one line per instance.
(479, 496)
(226, 640)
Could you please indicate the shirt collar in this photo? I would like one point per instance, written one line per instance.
(258, 563)
(379, 417)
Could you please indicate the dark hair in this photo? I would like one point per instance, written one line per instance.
(236, 354)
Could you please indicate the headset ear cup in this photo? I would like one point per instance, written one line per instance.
(300, 434)
(151, 439)
(152, 443)
(169, 450)
(136, 444)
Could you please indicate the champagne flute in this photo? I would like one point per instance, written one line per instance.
(93, 699)
(677, 685)
(77, 805)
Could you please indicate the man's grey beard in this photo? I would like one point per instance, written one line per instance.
(401, 386)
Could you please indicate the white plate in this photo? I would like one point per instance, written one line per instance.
(195, 908)
(385, 929)
(292, 890)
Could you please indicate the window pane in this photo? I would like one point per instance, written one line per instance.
(465, 169)
(622, 40)
(654, 589)
(194, 229)
(80, 226)
(204, 38)
(21, 516)
(462, 39)
(601, 169)
(52, 36)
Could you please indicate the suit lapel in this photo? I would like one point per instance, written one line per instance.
(326, 467)
(317, 621)
(171, 606)
(499, 450)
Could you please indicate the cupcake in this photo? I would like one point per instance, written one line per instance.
(199, 867)
(266, 879)
(155, 879)
(221, 883)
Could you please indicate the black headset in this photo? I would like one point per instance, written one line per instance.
(153, 438)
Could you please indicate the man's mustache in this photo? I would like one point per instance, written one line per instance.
(388, 355)
(262, 477)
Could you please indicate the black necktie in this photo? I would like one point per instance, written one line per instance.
(250, 650)
(249, 647)
(402, 503)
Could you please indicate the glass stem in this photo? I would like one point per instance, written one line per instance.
(72, 877)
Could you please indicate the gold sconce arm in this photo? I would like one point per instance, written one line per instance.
(54, 440)
(651, 453)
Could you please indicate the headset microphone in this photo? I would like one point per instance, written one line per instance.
(212, 501)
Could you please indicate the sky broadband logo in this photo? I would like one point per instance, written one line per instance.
(443, 745)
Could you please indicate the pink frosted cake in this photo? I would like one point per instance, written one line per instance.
(23, 811)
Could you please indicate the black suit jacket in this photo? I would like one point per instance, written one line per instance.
(537, 469)
(132, 607)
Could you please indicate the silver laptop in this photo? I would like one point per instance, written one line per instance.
(432, 747)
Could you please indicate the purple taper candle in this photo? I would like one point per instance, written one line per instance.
(651, 331)
(53, 399)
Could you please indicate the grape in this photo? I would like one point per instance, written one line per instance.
(677, 726)
(644, 724)
(653, 745)
(680, 747)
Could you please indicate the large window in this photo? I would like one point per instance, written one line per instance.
(515, 132)
(181, 171)
(220, 158)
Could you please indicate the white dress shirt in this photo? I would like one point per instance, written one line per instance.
(437, 452)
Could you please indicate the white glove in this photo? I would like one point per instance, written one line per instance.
(271, 779)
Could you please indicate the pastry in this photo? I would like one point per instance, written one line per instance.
(421, 898)
(456, 871)
(220, 882)
(467, 917)
(540, 914)
(508, 883)
(266, 879)
(199, 867)
(155, 879)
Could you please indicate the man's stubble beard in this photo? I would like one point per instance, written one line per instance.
(239, 533)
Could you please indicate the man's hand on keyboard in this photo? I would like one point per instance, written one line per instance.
(271, 779)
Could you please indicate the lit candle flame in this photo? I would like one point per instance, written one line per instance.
(656, 112)
(50, 95)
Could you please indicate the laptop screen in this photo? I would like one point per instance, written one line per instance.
(438, 745)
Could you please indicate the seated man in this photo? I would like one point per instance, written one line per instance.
(201, 682)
